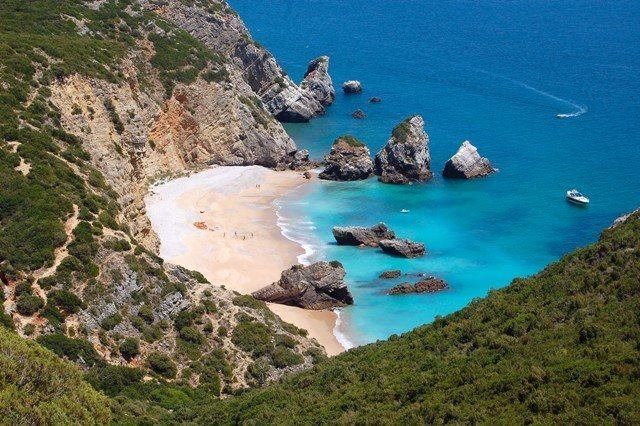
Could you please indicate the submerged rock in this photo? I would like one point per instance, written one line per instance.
(404, 248)
(317, 286)
(405, 158)
(467, 164)
(375, 100)
(318, 81)
(359, 114)
(427, 285)
(390, 274)
(349, 159)
(358, 235)
(352, 86)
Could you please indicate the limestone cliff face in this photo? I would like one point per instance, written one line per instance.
(222, 30)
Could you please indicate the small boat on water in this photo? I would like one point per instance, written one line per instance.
(404, 211)
(575, 197)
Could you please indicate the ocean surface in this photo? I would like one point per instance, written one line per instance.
(494, 72)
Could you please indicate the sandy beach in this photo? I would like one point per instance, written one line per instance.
(222, 223)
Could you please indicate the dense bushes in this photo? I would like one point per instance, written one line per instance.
(162, 364)
(72, 349)
(130, 348)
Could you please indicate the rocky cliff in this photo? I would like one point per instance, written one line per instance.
(466, 163)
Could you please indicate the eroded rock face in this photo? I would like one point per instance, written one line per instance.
(467, 164)
(405, 158)
(427, 285)
(358, 235)
(352, 86)
(318, 81)
(404, 248)
(317, 286)
(349, 159)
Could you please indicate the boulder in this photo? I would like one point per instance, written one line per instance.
(352, 86)
(318, 82)
(467, 164)
(375, 100)
(317, 286)
(358, 235)
(359, 114)
(291, 104)
(404, 248)
(349, 159)
(390, 274)
(427, 285)
(405, 158)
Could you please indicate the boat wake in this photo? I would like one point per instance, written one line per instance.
(579, 109)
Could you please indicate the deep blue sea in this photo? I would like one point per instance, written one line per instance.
(496, 73)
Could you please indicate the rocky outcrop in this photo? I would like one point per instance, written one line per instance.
(467, 164)
(405, 158)
(361, 236)
(403, 248)
(427, 285)
(622, 219)
(352, 86)
(317, 286)
(358, 114)
(318, 81)
(349, 159)
(390, 274)
(375, 100)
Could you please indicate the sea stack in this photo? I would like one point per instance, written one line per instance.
(352, 86)
(349, 159)
(361, 236)
(317, 286)
(426, 285)
(467, 164)
(403, 248)
(318, 81)
(405, 158)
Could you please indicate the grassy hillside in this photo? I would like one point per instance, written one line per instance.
(562, 346)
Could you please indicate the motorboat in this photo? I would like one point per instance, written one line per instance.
(404, 211)
(574, 196)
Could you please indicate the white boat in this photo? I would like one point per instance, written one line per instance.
(404, 211)
(574, 196)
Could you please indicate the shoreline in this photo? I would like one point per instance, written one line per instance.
(224, 223)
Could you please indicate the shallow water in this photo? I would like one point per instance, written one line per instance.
(496, 73)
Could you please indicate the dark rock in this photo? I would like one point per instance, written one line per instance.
(307, 174)
(467, 164)
(405, 158)
(317, 286)
(375, 100)
(318, 82)
(404, 248)
(393, 273)
(352, 86)
(359, 114)
(357, 235)
(349, 159)
(427, 285)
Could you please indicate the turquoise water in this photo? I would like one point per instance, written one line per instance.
(493, 72)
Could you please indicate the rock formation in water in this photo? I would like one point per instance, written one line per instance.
(467, 164)
(358, 235)
(375, 100)
(403, 248)
(349, 159)
(427, 285)
(318, 81)
(317, 286)
(405, 158)
(352, 86)
(358, 114)
(390, 274)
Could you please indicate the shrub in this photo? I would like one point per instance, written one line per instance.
(249, 301)
(252, 337)
(285, 357)
(111, 321)
(66, 300)
(349, 140)
(130, 348)
(259, 370)
(162, 364)
(29, 304)
(73, 349)
(191, 335)
(113, 379)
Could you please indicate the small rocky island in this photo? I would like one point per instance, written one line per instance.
(361, 236)
(467, 164)
(426, 285)
(349, 159)
(390, 274)
(352, 86)
(317, 286)
(405, 158)
(358, 114)
(403, 248)
(318, 81)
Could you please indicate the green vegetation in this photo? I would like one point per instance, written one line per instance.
(162, 364)
(36, 387)
(401, 131)
(130, 348)
(349, 140)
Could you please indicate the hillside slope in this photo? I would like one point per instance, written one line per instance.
(560, 347)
